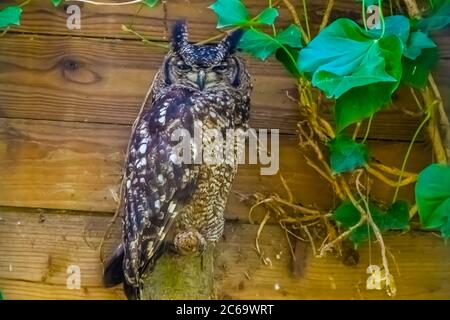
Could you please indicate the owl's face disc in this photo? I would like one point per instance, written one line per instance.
(203, 67)
(203, 74)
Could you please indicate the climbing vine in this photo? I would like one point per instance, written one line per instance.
(359, 69)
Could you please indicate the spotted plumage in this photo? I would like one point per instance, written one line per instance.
(199, 87)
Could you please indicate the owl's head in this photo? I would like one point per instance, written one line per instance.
(202, 67)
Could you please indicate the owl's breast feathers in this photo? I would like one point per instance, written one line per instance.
(156, 187)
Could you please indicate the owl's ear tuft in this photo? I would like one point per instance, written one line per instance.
(179, 35)
(231, 41)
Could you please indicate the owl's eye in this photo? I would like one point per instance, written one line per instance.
(181, 65)
(221, 67)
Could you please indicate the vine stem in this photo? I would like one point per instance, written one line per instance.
(408, 180)
(24, 3)
(390, 288)
(408, 152)
(383, 24)
(274, 29)
(433, 131)
(305, 13)
(153, 43)
(412, 8)
(327, 14)
(279, 43)
(356, 131)
(4, 31)
(366, 135)
(364, 13)
(294, 15)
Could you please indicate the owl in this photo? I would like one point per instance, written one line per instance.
(199, 88)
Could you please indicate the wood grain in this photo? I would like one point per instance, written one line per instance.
(105, 81)
(76, 166)
(35, 251)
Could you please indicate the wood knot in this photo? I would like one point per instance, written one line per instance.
(75, 70)
(70, 65)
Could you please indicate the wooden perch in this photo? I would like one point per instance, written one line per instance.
(177, 277)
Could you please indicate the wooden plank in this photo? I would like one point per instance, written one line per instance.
(76, 166)
(105, 81)
(328, 278)
(90, 80)
(36, 250)
(24, 290)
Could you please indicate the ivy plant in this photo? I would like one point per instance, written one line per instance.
(396, 217)
(433, 198)
(360, 69)
(346, 154)
(10, 16)
(56, 2)
(353, 66)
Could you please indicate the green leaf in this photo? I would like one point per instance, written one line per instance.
(445, 229)
(436, 4)
(230, 13)
(258, 44)
(151, 3)
(416, 43)
(286, 60)
(261, 45)
(394, 26)
(438, 20)
(267, 16)
(56, 2)
(415, 72)
(362, 102)
(397, 216)
(347, 216)
(343, 57)
(291, 36)
(433, 196)
(346, 154)
(10, 15)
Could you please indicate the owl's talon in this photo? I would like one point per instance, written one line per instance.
(190, 242)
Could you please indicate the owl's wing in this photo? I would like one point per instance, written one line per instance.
(155, 184)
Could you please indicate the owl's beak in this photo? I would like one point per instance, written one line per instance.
(201, 79)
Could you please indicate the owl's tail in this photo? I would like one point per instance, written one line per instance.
(114, 274)
(113, 271)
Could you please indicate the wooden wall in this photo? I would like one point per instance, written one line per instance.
(67, 101)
